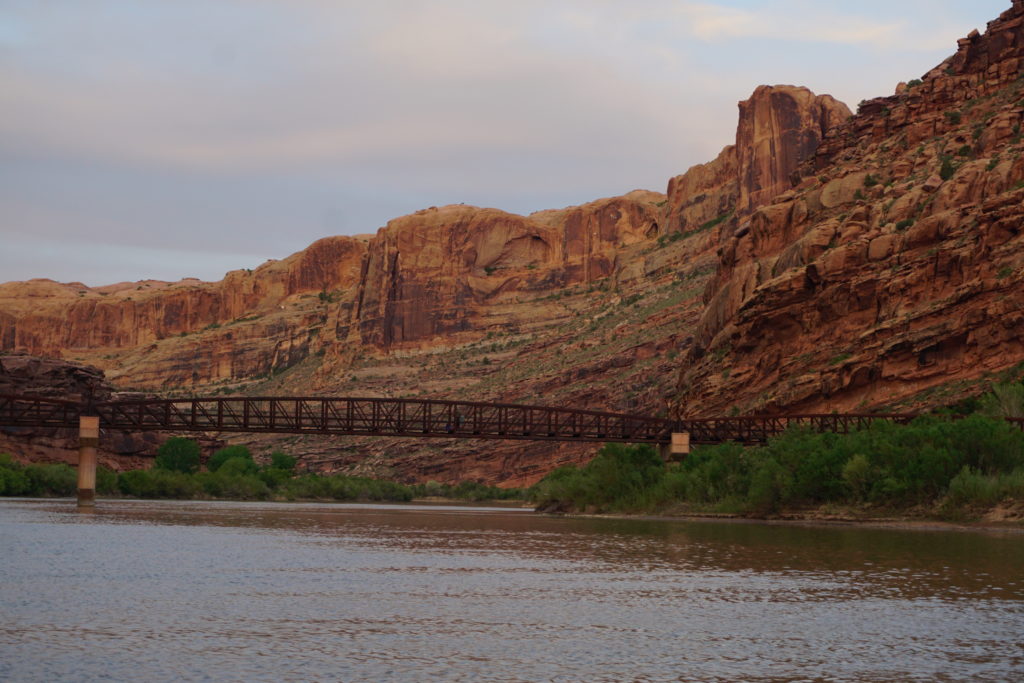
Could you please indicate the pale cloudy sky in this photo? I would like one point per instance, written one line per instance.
(185, 138)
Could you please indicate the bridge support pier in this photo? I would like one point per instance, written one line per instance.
(88, 440)
(677, 449)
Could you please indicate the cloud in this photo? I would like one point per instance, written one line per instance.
(816, 22)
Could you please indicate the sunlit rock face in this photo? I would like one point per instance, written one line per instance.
(890, 275)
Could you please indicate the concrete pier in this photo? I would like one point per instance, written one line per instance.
(88, 440)
(678, 449)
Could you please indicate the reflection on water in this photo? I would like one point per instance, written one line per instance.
(222, 591)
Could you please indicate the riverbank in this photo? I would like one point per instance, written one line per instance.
(823, 518)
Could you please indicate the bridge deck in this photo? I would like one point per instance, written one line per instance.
(412, 418)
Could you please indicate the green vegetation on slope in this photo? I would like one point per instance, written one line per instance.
(948, 468)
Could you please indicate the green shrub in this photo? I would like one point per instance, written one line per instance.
(158, 483)
(620, 478)
(281, 461)
(948, 168)
(222, 455)
(1005, 400)
(238, 467)
(106, 481)
(52, 480)
(972, 489)
(233, 480)
(887, 464)
(13, 480)
(857, 474)
(770, 487)
(273, 477)
(178, 454)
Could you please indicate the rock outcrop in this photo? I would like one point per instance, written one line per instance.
(162, 335)
(779, 128)
(433, 275)
(890, 276)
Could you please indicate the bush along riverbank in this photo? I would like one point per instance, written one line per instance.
(933, 468)
(231, 474)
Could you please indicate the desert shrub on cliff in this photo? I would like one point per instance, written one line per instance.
(178, 454)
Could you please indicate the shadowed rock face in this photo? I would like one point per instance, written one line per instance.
(890, 276)
(50, 378)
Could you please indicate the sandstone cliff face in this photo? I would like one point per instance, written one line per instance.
(890, 277)
(779, 128)
(441, 272)
(157, 334)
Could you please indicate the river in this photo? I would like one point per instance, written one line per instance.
(168, 591)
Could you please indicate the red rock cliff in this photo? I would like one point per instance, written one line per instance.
(891, 275)
(437, 273)
(175, 334)
(779, 128)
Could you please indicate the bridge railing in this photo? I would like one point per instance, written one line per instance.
(30, 411)
(415, 417)
(382, 417)
(758, 429)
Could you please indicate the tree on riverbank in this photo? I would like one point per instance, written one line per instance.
(178, 454)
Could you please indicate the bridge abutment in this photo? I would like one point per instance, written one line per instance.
(88, 440)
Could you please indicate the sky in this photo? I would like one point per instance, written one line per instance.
(167, 139)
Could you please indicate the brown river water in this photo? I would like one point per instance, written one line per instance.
(200, 591)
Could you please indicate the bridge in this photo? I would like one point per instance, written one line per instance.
(410, 418)
(330, 416)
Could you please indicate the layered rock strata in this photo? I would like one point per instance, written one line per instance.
(890, 277)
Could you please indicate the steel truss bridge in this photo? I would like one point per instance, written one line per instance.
(411, 418)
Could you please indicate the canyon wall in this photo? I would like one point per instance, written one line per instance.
(890, 276)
